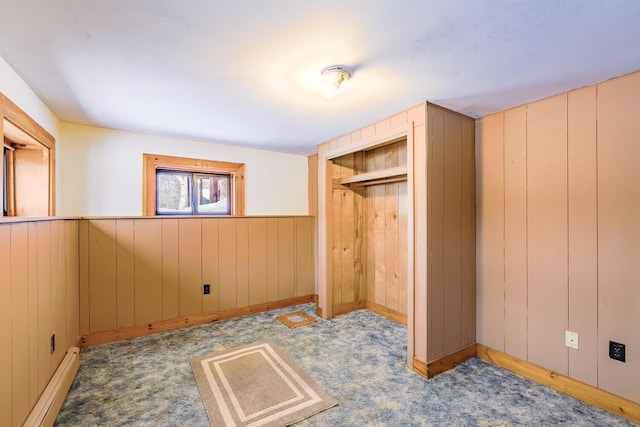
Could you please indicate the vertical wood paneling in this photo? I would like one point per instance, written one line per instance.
(515, 232)
(190, 266)
(379, 236)
(53, 292)
(35, 292)
(125, 272)
(490, 220)
(618, 195)
(272, 259)
(583, 234)
(368, 132)
(435, 267)
(391, 249)
(304, 256)
(210, 264)
(369, 238)
(73, 287)
(170, 268)
(336, 241)
(344, 140)
(398, 120)
(61, 329)
(6, 386)
(468, 230)
(286, 258)
(33, 357)
(83, 255)
(227, 266)
(347, 219)
(148, 271)
(547, 233)
(452, 245)
(383, 126)
(403, 247)
(43, 245)
(102, 275)
(420, 241)
(242, 268)
(258, 255)
(359, 239)
(18, 272)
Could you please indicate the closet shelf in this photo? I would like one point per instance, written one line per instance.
(384, 176)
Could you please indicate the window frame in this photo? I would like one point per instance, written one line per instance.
(153, 162)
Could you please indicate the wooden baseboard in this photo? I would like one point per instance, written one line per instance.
(450, 361)
(386, 312)
(369, 305)
(581, 391)
(348, 307)
(420, 367)
(46, 409)
(182, 322)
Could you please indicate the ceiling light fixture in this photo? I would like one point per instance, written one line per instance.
(333, 77)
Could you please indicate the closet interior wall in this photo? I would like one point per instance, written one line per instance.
(369, 250)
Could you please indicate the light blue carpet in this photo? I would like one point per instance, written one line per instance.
(358, 358)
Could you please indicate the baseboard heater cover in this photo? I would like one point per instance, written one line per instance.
(46, 410)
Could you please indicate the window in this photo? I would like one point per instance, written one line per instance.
(188, 193)
(183, 186)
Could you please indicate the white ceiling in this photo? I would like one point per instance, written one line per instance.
(247, 72)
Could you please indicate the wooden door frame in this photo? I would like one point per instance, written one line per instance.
(21, 128)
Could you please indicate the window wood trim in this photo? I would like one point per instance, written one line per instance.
(19, 128)
(152, 162)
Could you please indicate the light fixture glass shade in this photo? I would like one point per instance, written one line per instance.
(333, 77)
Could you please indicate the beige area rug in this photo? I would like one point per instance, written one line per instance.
(256, 385)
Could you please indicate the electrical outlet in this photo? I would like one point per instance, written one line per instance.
(206, 289)
(617, 351)
(53, 343)
(571, 339)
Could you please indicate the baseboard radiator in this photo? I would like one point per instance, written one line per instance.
(50, 402)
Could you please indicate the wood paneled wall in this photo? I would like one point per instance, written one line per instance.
(450, 233)
(348, 231)
(558, 232)
(138, 271)
(38, 298)
(385, 219)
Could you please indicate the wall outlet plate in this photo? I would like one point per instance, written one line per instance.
(206, 289)
(571, 339)
(617, 351)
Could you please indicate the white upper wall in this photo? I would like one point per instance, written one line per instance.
(100, 171)
(14, 88)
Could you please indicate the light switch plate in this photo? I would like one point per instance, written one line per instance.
(571, 339)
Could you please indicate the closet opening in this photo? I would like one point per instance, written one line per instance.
(369, 238)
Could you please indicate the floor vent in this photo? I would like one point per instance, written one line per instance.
(50, 402)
